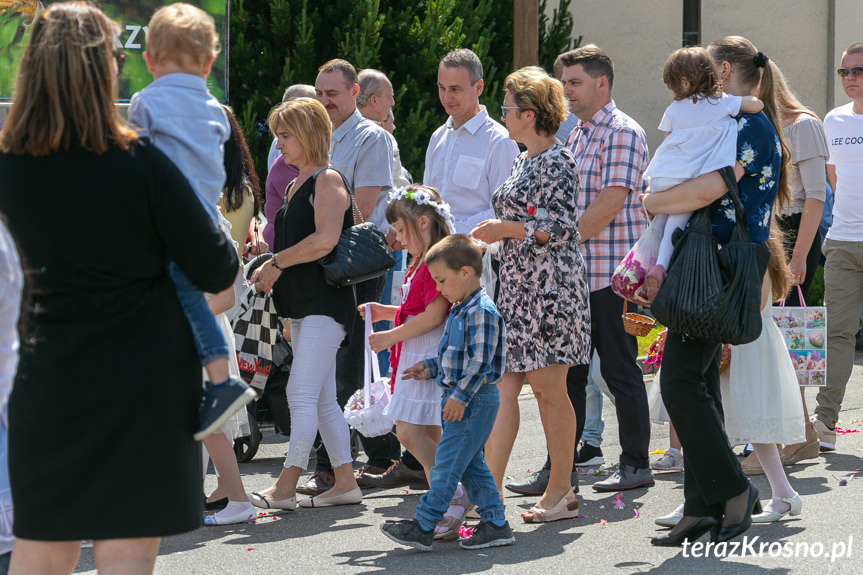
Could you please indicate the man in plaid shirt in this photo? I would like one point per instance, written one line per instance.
(611, 152)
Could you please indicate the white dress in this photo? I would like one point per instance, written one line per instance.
(415, 401)
(762, 403)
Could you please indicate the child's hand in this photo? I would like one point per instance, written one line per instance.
(376, 310)
(452, 410)
(381, 340)
(416, 371)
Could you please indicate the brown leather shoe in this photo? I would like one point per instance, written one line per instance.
(365, 471)
(319, 482)
(398, 475)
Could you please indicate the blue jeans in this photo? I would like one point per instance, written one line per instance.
(459, 458)
(209, 341)
(386, 299)
(594, 425)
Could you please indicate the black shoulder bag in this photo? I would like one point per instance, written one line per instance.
(713, 291)
(361, 254)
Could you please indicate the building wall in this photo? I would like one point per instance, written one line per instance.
(805, 38)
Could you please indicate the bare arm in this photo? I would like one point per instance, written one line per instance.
(751, 105)
(366, 197)
(222, 301)
(831, 177)
(433, 316)
(490, 231)
(691, 195)
(601, 212)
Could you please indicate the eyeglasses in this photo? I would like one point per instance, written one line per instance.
(856, 71)
(503, 110)
(120, 58)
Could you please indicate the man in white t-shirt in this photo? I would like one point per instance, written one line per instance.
(471, 154)
(843, 269)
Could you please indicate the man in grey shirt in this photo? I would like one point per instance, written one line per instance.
(362, 152)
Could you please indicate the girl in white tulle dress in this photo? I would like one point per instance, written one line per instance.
(762, 401)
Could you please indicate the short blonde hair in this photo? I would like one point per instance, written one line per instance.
(533, 89)
(182, 29)
(306, 119)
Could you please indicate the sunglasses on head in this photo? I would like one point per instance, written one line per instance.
(856, 71)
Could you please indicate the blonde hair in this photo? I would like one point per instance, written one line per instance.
(179, 30)
(753, 69)
(409, 212)
(777, 265)
(533, 89)
(66, 86)
(306, 119)
(787, 104)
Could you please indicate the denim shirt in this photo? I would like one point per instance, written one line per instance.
(180, 116)
(471, 351)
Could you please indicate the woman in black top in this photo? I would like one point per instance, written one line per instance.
(317, 208)
(108, 384)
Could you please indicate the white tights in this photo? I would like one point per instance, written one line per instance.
(311, 392)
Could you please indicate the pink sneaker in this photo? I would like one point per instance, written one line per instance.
(654, 280)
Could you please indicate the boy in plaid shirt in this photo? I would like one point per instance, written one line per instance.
(469, 364)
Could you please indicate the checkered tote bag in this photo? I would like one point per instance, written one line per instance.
(256, 324)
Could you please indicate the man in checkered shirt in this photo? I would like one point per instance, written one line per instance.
(611, 152)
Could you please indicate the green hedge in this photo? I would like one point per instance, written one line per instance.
(275, 43)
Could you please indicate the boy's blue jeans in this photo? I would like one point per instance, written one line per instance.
(209, 340)
(459, 458)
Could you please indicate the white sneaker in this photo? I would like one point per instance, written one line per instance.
(670, 461)
(669, 520)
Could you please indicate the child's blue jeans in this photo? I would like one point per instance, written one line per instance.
(209, 341)
(459, 458)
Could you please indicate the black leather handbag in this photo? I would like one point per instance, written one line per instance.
(360, 255)
(713, 291)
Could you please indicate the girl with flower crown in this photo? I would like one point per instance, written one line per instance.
(420, 219)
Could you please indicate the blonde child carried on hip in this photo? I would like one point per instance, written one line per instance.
(701, 137)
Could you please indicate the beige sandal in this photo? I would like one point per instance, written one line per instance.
(565, 509)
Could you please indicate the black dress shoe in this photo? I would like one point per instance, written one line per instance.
(727, 532)
(696, 529)
(216, 504)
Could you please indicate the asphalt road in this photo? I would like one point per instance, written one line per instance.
(606, 540)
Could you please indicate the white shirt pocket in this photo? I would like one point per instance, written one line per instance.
(468, 171)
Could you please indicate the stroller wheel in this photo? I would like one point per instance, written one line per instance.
(355, 444)
(246, 447)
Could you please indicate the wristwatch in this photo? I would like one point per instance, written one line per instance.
(276, 264)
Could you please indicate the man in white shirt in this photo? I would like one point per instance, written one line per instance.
(471, 154)
(843, 270)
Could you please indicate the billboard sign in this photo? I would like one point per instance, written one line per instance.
(132, 16)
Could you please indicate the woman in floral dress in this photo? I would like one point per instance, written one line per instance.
(543, 289)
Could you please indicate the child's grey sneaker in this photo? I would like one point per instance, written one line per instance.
(408, 532)
(220, 403)
(488, 535)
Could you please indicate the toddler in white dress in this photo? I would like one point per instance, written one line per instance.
(701, 137)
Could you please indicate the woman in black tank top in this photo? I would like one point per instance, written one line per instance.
(317, 208)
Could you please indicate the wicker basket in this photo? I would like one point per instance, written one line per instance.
(725, 361)
(635, 323)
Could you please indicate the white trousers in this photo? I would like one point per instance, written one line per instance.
(311, 392)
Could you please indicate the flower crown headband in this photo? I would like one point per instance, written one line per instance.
(423, 198)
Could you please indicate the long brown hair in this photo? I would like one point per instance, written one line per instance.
(777, 265)
(754, 69)
(66, 86)
(409, 212)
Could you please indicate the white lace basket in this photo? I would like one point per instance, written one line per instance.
(364, 410)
